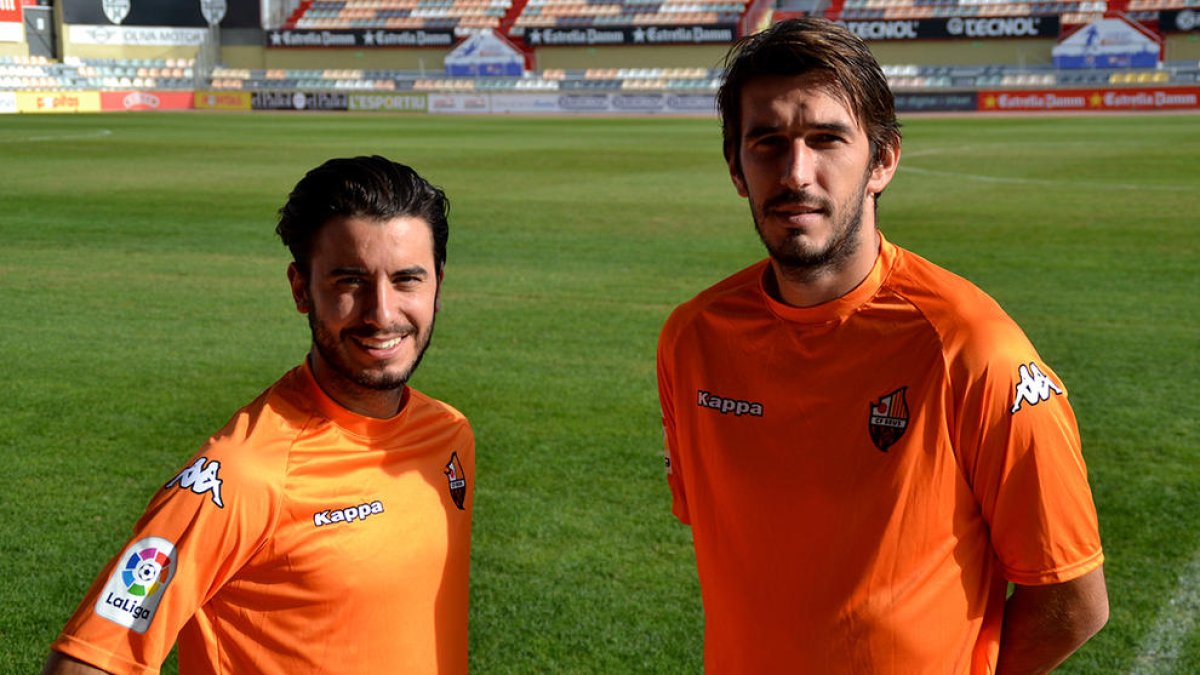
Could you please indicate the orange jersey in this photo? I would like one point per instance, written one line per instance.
(302, 538)
(863, 477)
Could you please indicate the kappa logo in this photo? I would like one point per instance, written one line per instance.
(888, 419)
(1034, 387)
(348, 514)
(200, 478)
(725, 406)
(457, 480)
(136, 585)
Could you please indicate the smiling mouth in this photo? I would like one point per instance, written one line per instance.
(379, 343)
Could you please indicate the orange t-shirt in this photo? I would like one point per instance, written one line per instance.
(301, 538)
(862, 477)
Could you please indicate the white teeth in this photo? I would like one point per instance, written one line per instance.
(385, 344)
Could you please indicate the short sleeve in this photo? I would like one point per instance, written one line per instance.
(198, 530)
(1021, 452)
(666, 397)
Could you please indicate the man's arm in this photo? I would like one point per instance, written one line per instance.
(1043, 625)
(61, 664)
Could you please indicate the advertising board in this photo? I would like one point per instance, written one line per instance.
(947, 102)
(416, 102)
(631, 35)
(150, 36)
(1091, 100)
(975, 28)
(221, 100)
(146, 100)
(8, 102)
(458, 104)
(58, 101)
(236, 13)
(298, 100)
(360, 38)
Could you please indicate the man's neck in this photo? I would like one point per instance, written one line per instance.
(808, 288)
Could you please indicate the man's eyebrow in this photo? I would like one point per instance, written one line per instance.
(836, 127)
(412, 271)
(768, 129)
(350, 270)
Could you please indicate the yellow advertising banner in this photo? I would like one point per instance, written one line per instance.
(58, 101)
(223, 100)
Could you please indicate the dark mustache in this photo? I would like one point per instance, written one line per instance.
(797, 197)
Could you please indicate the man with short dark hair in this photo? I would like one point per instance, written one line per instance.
(327, 527)
(867, 448)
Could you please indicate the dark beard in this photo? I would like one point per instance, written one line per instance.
(326, 347)
(803, 261)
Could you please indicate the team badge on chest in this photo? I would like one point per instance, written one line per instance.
(457, 479)
(888, 419)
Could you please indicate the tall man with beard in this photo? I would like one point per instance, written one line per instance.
(868, 449)
(327, 527)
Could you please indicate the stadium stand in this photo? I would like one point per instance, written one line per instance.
(694, 80)
(596, 79)
(462, 15)
(33, 73)
(29, 73)
(597, 13)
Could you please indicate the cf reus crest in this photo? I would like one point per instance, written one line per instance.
(457, 479)
(888, 419)
(115, 10)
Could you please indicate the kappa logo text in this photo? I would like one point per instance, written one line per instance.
(200, 478)
(1034, 387)
(348, 514)
(725, 406)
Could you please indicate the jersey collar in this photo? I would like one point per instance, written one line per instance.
(843, 307)
(353, 422)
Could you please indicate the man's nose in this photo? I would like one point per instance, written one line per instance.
(798, 173)
(380, 307)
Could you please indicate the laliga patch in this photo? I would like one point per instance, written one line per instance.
(137, 584)
(1034, 387)
(457, 479)
(888, 419)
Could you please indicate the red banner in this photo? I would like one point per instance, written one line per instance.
(146, 100)
(1089, 100)
(10, 11)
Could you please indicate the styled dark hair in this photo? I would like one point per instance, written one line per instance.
(838, 58)
(360, 187)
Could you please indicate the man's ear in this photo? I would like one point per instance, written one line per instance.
(437, 298)
(299, 284)
(885, 168)
(735, 174)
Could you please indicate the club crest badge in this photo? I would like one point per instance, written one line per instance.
(457, 479)
(888, 419)
(116, 10)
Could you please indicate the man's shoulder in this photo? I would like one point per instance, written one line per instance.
(254, 443)
(736, 289)
(430, 410)
(969, 322)
(944, 297)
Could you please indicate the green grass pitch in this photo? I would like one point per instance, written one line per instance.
(143, 299)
